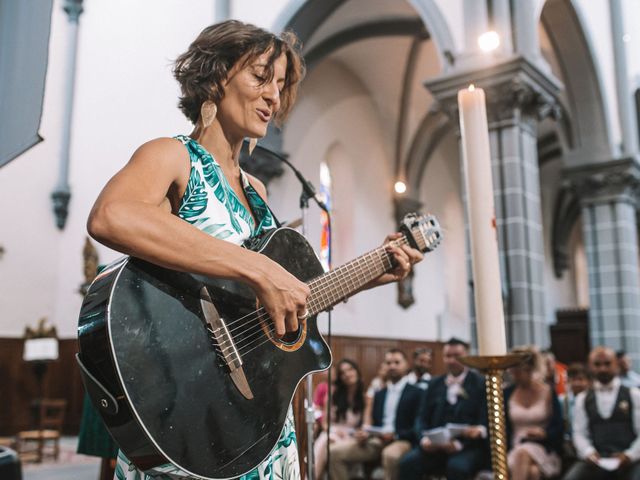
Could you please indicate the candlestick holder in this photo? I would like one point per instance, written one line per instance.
(493, 367)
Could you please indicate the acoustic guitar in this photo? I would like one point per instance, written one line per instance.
(186, 369)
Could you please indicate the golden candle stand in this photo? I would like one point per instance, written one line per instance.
(493, 367)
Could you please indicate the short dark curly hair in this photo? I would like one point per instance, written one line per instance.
(203, 68)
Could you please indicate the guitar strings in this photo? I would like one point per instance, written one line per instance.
(320, 281)
(382, 255)
(242, 347)
(258, 327)
(387, 257)
(316, 286)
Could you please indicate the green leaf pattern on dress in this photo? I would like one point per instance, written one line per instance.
(210, 204)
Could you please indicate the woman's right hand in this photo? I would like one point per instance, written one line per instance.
(282, 295)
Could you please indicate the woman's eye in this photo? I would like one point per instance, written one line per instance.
(259, 77)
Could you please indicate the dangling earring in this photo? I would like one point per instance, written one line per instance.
(252, 144)
(208, 112)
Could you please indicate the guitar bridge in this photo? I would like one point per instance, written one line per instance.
(229, 354)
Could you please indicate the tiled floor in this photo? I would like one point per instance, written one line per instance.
(70, 465)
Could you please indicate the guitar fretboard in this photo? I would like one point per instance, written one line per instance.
(337, 285)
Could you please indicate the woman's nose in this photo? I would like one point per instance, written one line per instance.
(272, 95)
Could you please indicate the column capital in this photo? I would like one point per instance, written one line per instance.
(74, 9)
(515, 89)
(616, 180)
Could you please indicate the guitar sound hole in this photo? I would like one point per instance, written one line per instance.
(290, 338)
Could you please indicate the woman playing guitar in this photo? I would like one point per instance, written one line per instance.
(183, 203)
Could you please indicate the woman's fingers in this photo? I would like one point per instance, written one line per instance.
(414, 255)
(279, 323)
(292, 321)
(403, 263)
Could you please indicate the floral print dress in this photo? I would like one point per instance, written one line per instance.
(210, 204)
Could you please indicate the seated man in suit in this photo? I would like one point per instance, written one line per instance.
(457, 397)
(393, 417)
(419, 374)
(606, 422)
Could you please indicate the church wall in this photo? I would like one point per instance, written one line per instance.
(125, 95)
(631, 18)
(452, 11)
(338, 118)
(560, 292)
(597, 27)
(448, 280)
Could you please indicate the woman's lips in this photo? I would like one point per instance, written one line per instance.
(264, 115)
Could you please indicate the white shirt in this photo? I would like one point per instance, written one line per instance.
(394, 390)
(454, 386)
(605, 402)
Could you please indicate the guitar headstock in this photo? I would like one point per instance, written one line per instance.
(422, 231)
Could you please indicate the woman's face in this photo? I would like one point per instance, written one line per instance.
(249, 104)
(522, 375)
(348, 374)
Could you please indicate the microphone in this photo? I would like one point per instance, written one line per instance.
(307, 187)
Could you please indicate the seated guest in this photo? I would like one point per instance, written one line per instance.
(534, 422)
(419, 374)
(320, 395)
(393, 417)
(346, 412)
(628, 377)
(579, 381)
(555, 371)
(457, 397)
(377, 383)
(606, 419)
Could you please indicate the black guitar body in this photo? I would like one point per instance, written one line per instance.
(154, 371)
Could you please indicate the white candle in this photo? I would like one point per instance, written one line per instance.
(482, 222)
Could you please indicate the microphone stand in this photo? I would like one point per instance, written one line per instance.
(308, 191)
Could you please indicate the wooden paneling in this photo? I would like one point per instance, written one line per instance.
(18, 386)
(368, 353)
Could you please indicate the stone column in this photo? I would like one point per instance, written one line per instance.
(62, 193)
(518, 96)
(608, 197)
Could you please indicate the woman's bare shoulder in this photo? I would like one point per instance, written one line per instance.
(162, 148)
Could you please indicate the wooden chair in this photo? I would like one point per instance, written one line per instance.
(34, 445)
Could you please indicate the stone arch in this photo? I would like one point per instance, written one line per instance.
(590, 123)
(586, 123)
(433, 128)
(305, 16)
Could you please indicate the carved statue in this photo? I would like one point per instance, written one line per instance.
(41, 331)
(90, 255)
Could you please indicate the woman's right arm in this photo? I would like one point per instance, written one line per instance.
(133, 215)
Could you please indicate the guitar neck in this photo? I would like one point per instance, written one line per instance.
(339, 284)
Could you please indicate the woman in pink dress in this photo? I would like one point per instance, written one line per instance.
(534, 422)
(346, 412)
